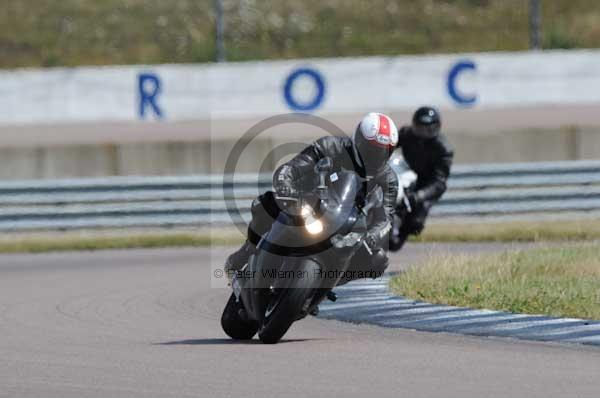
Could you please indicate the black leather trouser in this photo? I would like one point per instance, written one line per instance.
(412, 224)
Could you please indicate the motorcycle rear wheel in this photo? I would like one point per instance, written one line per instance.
(233, 324)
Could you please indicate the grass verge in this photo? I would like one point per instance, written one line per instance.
(84, 32)
(556, 281)
(69, 242)
(490, 232)
(521, 231)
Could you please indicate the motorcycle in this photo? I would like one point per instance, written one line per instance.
(407, 180)
(302, 257)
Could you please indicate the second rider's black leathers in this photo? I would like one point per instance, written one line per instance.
(431, 160)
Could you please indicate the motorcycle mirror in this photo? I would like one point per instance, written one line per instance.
(322, 168)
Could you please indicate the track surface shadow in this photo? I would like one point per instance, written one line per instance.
(221, 341)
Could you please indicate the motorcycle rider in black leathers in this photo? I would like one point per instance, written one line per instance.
(367, 153)
(429, 154)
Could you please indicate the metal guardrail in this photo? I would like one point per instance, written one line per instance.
(480, 190)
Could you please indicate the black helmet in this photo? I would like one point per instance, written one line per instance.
(426, 122)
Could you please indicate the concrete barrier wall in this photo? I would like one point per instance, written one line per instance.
(184, 119)
(174, 93)
(180, 158)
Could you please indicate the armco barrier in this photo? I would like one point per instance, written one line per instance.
(474, 190)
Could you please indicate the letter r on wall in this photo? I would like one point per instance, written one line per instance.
(149, 88)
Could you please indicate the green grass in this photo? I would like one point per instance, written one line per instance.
(521, 231)
(557, 281)
(490, 232)
(71, 242)
(78, 32)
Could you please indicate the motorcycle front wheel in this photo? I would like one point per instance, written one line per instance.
(288, 304)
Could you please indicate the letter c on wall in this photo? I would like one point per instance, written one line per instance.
(289, 85)
(458, 97)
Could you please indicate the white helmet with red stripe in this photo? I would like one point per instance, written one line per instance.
(375, 139)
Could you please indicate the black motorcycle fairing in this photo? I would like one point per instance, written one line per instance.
(337, 213)
(289, 246)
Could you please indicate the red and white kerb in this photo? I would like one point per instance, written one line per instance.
(379, 129)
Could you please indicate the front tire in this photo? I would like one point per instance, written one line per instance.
(233, 324)
(289, 305)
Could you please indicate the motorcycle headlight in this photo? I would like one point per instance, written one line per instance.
(312, 225)
(315, 227)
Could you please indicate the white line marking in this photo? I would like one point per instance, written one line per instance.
(556, 333)
(374, 303)
(415, 310)
(363, 297)
(461, 322)
(517, 326)
(453, 315)
(587, 339)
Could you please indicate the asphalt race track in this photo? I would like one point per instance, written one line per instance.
(145, 323)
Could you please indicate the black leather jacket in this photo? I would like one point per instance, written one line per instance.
(341, 151)
(430, 160)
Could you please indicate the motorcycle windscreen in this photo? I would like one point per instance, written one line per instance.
(323, 218)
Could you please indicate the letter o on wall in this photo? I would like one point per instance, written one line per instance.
(288, 94)
(456, 70)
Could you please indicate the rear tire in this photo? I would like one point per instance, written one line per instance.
(233, 324)
(289, 306)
